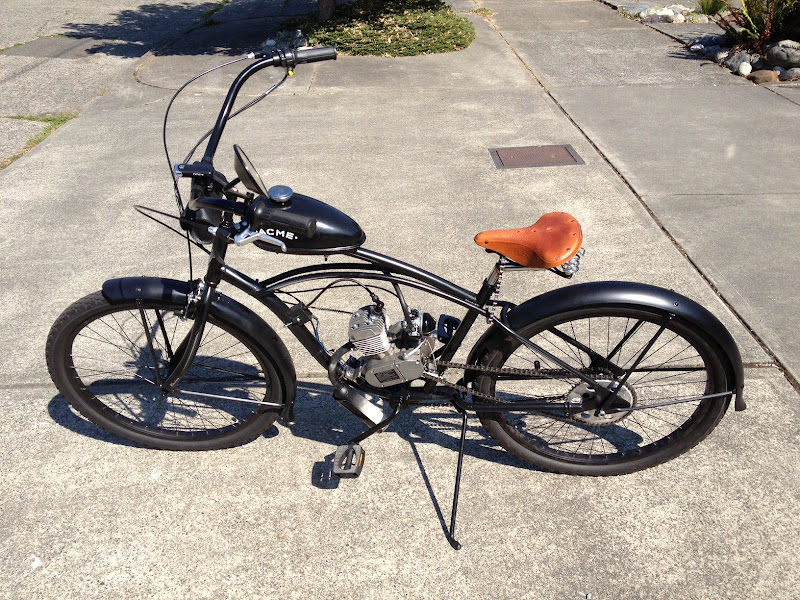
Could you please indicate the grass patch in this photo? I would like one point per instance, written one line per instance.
(388, 28)
(206, 18)
(11, 46)
(484, 12)
(53, 123)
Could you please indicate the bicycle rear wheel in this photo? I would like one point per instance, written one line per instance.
(662, 366)
(107, 361)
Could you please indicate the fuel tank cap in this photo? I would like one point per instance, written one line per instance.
(280, 194)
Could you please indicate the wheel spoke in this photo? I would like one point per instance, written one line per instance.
(668, 390)
(113, 356)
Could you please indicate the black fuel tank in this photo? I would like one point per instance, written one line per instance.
(335, 231)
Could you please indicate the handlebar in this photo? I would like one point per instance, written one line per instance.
(287, 58)
(258, 213)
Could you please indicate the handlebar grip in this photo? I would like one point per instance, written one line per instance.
(262, 216)
(306, 226)
(316, 54)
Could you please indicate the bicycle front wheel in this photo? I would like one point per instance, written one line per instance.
(108, 360)
(663, 368)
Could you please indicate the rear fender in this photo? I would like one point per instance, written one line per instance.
(170, 290)
(625, 294)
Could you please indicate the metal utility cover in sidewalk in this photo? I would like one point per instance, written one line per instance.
(535, 156)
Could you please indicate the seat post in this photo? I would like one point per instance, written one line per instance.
(490, 283)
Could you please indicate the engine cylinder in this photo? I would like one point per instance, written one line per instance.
(367, 331)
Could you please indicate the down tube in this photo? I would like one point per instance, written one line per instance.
(294, 320)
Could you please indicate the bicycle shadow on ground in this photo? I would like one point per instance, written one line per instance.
(320, 418)
(63, 414)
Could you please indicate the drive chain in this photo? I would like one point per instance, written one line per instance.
(538, 373)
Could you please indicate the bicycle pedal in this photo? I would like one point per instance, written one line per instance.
(348, 461)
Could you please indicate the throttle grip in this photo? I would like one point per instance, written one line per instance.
(262, 216)
(315, 54)
(289, 58)
(306, 226)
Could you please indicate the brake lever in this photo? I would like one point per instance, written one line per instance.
(246, 236)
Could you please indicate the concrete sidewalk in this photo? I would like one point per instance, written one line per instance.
(402, 146)
(712, 156)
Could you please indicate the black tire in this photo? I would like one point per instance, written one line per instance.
(682, 363)
(100, 359)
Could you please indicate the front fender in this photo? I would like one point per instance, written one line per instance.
(626, 294)
(224, 307)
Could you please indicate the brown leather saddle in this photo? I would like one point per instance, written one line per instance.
(550, 242)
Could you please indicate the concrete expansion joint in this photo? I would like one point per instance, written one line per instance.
(528, 68)
(36, 385)
(148, 58)
(772, 90)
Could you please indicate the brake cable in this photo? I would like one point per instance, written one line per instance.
(164, 126)
(176, 187)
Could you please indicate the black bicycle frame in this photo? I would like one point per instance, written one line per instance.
(379, 267)
(374, 266)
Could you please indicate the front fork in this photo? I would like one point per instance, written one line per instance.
(198, 307)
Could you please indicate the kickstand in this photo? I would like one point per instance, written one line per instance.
(453, 542)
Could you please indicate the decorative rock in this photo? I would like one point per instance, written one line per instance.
(721, 55)
(744, 69)
(790, 74)
(759, 63)
(784, 54)
(737, 60)
(675, 13)
(760, 77)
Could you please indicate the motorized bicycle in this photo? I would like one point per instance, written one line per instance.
(602, 378)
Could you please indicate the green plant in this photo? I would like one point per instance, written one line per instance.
(53, 123)
(711, 7)
(388, 28)
(759, 22)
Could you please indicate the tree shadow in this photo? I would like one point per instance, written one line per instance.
(182, 28)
